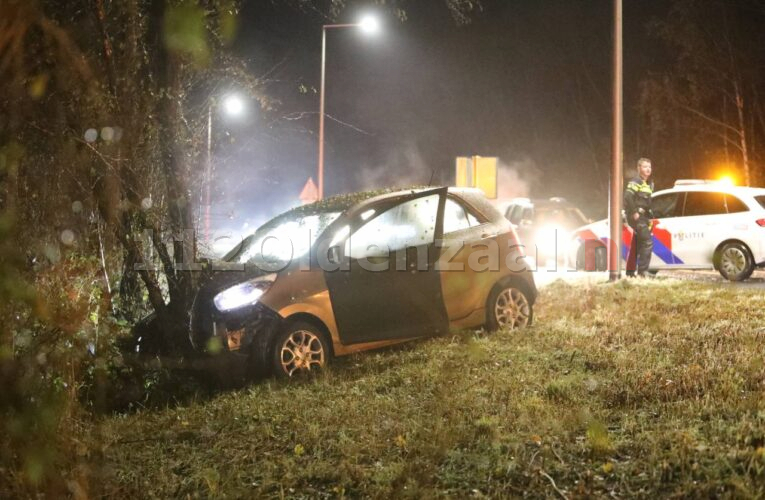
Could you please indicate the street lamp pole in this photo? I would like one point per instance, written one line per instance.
(321, 111)
(615, 203)
(232, 105)
(368, 24)
(208, 172)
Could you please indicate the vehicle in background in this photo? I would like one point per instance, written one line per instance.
(544, 226)
(363, 271)
(697, 224)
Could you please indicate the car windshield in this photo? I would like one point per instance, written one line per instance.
(284, 237)
(567, 218)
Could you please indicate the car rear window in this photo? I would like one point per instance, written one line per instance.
(735, 205)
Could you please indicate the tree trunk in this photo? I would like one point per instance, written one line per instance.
(168, 68)
(742, 135)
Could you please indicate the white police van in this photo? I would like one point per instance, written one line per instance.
(697, 224)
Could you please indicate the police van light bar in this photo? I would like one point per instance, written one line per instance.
(692, 182)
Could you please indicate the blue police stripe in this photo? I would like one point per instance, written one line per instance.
(664, 253)
(659, 249)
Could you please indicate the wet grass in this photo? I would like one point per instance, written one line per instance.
(649, 388)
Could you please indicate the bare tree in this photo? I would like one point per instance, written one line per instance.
(709, 92)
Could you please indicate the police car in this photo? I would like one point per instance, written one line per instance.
(697, 224)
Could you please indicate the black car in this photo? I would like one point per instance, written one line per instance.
(545, 225)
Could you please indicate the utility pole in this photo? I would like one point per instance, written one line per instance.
(615, 198)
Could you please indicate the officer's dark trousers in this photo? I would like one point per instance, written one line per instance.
(639, 256)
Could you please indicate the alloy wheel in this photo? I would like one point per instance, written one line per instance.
(512, 309)
(733, 261)
(301, 351)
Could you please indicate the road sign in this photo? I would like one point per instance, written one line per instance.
(310, 192)
(477, 171)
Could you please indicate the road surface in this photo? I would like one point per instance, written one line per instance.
(544, 277)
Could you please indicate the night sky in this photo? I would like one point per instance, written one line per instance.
(527, 81)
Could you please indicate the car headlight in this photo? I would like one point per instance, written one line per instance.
(243, 294)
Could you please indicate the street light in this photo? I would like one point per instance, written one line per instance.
(232, 105)
(367, 25)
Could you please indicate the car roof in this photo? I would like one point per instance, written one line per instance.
(474, 197)
(715, 188)
(553, 202)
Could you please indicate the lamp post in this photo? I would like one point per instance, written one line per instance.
(617, 145)
(232, 105)
(368, 25)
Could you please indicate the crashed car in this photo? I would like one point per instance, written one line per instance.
(697, 224)
(363, 271)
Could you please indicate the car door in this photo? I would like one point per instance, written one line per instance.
(667, 210)
(389, 287)
(704, 215)
(461, 284)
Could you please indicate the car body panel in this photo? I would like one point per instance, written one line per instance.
(466, 287)
(367, 300)
(313, 297)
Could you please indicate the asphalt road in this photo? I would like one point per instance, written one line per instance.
(544, 277)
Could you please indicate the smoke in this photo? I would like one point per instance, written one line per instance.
(404, 167)
(515, 179)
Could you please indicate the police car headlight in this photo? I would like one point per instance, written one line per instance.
(243, 294)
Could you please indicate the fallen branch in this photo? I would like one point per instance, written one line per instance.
(555, 487)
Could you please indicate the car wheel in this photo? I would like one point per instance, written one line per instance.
(580, 259)
(601, 259)
(735, 261)
(298, 349)
(508, 307)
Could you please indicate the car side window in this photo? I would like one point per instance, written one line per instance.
(528, 214)
(666, 205)
(514, 214)
(455, 217)
(704, 203)
(734, 205)
(409, 224)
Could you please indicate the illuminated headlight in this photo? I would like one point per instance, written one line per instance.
(551, 239)
(243, 294)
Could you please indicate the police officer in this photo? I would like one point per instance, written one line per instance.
(637, 208)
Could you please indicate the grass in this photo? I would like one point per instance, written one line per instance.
(650, 388)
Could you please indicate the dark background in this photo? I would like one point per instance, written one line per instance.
(527, 81)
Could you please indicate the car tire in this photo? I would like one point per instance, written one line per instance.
(601, 259)
(580, 258)
(508, 307)
(300, 348)
(735, 261)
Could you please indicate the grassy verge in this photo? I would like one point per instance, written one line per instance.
(629, 389)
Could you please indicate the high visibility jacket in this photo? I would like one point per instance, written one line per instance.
(637, 200)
